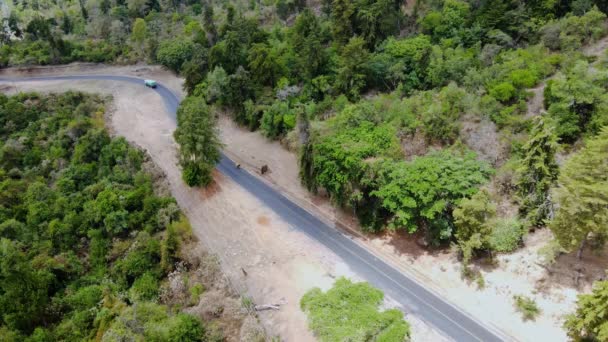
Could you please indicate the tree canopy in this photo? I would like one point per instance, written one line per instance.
(582, 195)
(84, 239)
(198, 141)
(349, 311)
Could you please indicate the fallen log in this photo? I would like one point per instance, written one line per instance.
(265, 307)
(275, 306)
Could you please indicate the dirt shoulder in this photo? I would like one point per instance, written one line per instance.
(263, 257)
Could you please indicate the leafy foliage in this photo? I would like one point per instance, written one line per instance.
(198, 139)
(527, 307)
(424, 192)
(80, 226)
(349, 312)
(590, 321)
(537, 173)
(577, 101)
(581, 195)
(173, 54)
(571, 32)
(472, 221)
(507, 234)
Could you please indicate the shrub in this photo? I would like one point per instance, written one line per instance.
(550, 251)
(277, 120)
(527, 307)
(144, 288)
(506, 235)
(184, 327)
(173, 53)
(471, 219)
(152, 322)
(503, 92)
(571, 32)
(350, 312)
(427, 188)
(195, 293)
(590, 321)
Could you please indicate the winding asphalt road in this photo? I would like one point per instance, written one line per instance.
(417, 300)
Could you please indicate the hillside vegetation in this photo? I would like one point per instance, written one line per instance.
(420, 118)
(86, 240)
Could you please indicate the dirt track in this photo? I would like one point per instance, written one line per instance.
(281, 264)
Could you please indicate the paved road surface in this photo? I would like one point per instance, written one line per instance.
(445, 317)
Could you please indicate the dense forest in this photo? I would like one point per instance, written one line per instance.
(428, 116)
(86, 243)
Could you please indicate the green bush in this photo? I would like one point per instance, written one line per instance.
(144, 288)
(79, 222)
(152, 322)
(195, 293)
(350, 312)
(427, 188)
(277, 119)
(503, 92)
(589, 322)
(174, 53)
(507, 234)
(527, 307)
(571, 32)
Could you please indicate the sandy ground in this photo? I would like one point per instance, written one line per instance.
(280, 263)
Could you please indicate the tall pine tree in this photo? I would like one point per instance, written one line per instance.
(307, 44)
(537, 173)
(582, 196)
(198, 139)
(342, 12)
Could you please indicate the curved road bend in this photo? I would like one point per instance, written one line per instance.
(417, 300)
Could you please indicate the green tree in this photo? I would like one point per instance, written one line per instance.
(472, 220)
(537, 173)
(590, 321)
(306, 39)
(216, 86)
(139, 33)
(140, 30)
(352, 73)
(198, 139)
(342, 12)
(577, 101)
(422, 193)
(355, 306)
(277, 119)
(25, 289)
(209, 24)
(377, 19)
(173, 53)
(195, 70)
(582, 196)
(265, 64)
